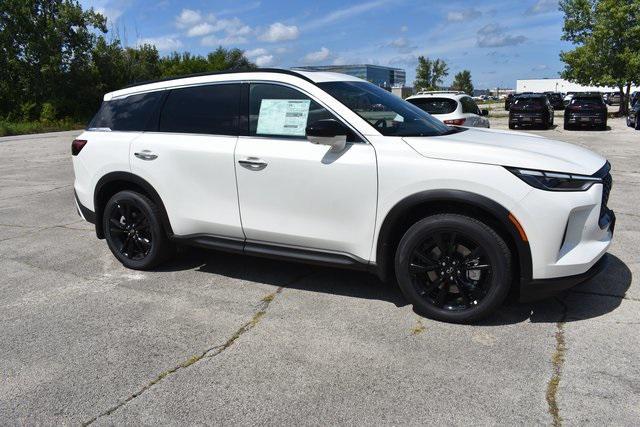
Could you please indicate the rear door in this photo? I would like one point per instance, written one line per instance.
(472, 113)
(189, 159)
(295, 193)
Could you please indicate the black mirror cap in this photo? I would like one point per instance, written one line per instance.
(327, 128)
(484, 112)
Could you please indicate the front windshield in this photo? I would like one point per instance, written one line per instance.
(387, 113)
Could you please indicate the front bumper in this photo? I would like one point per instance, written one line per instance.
(568, 232)
(544, 288)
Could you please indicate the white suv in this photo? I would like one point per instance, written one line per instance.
(452, 108)
(329, 169)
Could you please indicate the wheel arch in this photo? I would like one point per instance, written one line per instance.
(114, 182)
(415, 207)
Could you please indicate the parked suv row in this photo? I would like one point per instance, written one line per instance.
(330, 169)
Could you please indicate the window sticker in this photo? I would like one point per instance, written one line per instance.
(283, 117)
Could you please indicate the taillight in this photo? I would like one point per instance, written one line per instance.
(455, 122)
(77, 145)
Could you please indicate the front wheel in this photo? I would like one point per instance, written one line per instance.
(134, 232)
(453, 268)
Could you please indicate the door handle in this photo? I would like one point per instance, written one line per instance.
(146, 155)
(253, 163)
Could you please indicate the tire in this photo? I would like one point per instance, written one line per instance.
(566, 125)
(134, 232)
(467, 294)
(628, 122)
(512, 126)
(637, 123)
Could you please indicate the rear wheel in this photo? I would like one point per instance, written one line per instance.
(637, 123)
(134, 232)
(453, 268)
(567, 126)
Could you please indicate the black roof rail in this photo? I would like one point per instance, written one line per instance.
(213, 73)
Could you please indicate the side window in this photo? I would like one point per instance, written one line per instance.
(469, 106)
(212, 109)
(281, 111)
(126, 114)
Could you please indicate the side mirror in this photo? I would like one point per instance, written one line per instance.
(328, 132)
(484, 112)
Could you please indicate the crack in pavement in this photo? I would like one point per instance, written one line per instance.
(36, 194)
(603, 294)
(210, 352)
(557, 361)
(38, 230)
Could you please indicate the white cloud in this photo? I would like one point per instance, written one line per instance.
(347, 12)
(201, 29)
(540, 67)
(253, 53)
(543, 6)
(463, 15)
(318, 56)
(213, 41)
(493, 35)
(188, 18)
(264, 60)
(162, 43)
(215, 31)
(404, 29)
(280, 32)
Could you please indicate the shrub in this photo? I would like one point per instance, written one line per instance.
(29, 111)
(48, 113)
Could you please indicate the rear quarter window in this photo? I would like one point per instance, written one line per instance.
(126, 114)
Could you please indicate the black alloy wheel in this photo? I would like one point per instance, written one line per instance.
(130, 230)
(453, 268)
(134, 232)
(450, 271)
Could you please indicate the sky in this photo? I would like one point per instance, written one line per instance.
(499, 41)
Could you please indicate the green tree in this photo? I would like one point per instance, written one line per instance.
(429, 73)
(462, 82)
(45, 50)
(179, 64)
(606, 36)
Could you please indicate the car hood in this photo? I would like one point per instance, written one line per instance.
(507, 148)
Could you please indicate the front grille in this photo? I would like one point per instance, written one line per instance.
(607, 184)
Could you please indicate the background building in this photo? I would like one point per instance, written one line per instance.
(382, 76)
(559, 85)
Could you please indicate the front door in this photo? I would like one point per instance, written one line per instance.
(295, 193)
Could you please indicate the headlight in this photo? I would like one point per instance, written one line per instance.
(554, 181)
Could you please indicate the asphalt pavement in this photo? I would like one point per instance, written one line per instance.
(213, 338)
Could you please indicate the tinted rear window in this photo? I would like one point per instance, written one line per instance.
(127, 114)
(587, 101)
(435, 105)
(212, 109)
(529, 101)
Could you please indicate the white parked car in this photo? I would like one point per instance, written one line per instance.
(330, 169)
(452, 108)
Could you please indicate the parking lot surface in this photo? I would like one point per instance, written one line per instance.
(219, 339)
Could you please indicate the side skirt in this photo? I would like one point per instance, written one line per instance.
(269, 250)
